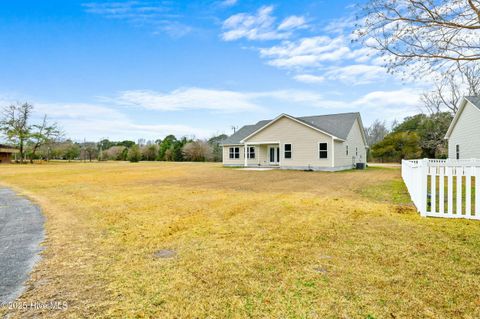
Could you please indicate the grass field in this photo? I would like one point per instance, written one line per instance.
(270, 244)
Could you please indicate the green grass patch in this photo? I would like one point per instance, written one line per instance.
(393, 192)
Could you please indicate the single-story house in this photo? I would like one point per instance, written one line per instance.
(463, 135)
(6, 152)
(324, 142)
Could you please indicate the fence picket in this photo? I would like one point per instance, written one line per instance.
(450, 190)
(459, 175)
(477, 191)
(465, 203)
(433, 191)
(441, 188)
(468, 192)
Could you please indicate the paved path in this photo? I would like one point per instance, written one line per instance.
(21, 232)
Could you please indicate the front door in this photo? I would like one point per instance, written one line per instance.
(274, 154)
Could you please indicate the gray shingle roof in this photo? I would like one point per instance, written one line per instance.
(244, 132)
(475, 100)
(338, 125)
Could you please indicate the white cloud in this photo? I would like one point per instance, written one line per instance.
(111, 117)
(292, 22)
(306, 52)
(309, 78)
(260, 26)
(130, 10)
(228, 3)
(174, 29)
(92, 121)
(109, 9)
(188, 99)
(222, 101)
(329, 55)
(156, 15)
(313, 52)
(387, 99)
(325, 58)
(389, 105)
(357, 74)
(343, 25)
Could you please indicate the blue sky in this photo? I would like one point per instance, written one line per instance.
(144, 69)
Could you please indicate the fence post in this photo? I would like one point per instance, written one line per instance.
(423, 187)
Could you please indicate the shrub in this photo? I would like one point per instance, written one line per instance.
(134, 154)
(197, 151)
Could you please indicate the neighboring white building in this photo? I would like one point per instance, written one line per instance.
(463, 135)
(326, 142)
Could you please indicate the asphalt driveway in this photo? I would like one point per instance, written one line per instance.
(21, 232)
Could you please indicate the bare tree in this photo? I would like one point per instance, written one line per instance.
(197, 151)
(14, 124)
(114, 153)
(149, 152)
(42, 134)
(428, 35)
(448, 93)
(376, 132)
(89, 151)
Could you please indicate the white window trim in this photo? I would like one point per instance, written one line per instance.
(291, 151)
(318, 151)
(234, 152)
(250, 153)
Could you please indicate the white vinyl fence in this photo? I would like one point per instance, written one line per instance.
(444, 188)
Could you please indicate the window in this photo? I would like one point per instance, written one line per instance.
(346, 150)
(458, 151)
(356, 151)
(251, 152)
(234, 152)
(323, 152)
(288, 150)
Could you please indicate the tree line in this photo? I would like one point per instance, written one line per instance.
(45, 141)
(418, 136)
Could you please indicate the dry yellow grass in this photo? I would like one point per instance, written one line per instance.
(275, 244)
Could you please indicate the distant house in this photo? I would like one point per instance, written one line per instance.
(6, 153)
(326, 142)
(463, 135)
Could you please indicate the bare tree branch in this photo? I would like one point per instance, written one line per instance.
(428, 35)
(449, 92)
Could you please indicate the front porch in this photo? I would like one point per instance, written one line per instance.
(264, 154)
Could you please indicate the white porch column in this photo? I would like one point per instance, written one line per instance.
(279, 153)
(333, 152)
(245, 154)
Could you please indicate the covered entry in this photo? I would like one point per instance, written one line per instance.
(266, 154)
(274, 155)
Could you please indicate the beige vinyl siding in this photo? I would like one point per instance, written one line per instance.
(354, 140)
(466, 133)
(229, 161)
(304, 142)
(261, 156)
